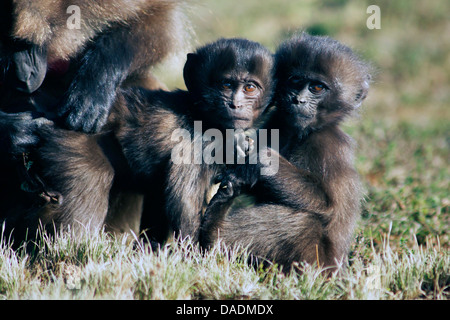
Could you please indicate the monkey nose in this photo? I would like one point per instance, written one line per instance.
(298, 100)
(301, 100)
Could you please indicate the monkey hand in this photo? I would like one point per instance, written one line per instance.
(83, 114)
(229, 188)
(240, 176)
(246, 167)
(93, 89)
(244, 146)
(19, 132)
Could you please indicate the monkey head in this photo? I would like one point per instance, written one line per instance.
(319, 81)
(231, 80)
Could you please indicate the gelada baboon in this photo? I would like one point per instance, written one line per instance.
(230, 84)
(307, 210)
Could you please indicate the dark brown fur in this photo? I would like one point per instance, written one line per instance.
(307, 210)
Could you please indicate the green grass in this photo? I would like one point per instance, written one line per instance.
(401, 247)
(105, 268)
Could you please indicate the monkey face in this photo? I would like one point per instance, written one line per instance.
(230, 81)
(300, 97)
(29, 67)
(24, 65)
(234, 101)
(320, 81)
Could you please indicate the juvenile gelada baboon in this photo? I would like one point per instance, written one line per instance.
(230, 84)
(307, 210)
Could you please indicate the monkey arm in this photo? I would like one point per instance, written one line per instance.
(122, 53)
(332, 186)
(185, 196)
(216, 211)
(102, 69)
(294, 187)
(146, 139)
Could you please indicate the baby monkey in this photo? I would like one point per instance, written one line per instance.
(306, 211)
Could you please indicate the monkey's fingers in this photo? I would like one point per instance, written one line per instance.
(52, 197)
(89, 119)
(250, 145)
(226, 189)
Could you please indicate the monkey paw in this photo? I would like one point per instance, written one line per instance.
(19, 130)
(230, 186)
(243, 174)
(85, 112)
(244, 145)
(86, 120)
(52, 197)
(226, 189)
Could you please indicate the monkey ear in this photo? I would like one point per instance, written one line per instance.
(363, 91)
(189, 70)
(191, 56)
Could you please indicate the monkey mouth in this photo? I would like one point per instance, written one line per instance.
(241, 119)
(233, 123)
(229, 118)
(304, 116)
(240, 123)
(299, 112)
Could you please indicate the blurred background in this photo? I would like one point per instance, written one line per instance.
(410, 51)
(403, 131)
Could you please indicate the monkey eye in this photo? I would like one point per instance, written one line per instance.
(316, 87)
(250, 88)
(225, 84)
(295, 80)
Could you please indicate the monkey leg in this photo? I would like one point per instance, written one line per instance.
(124, 214)
(215, 213)
(279, 234)
(74, 165)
